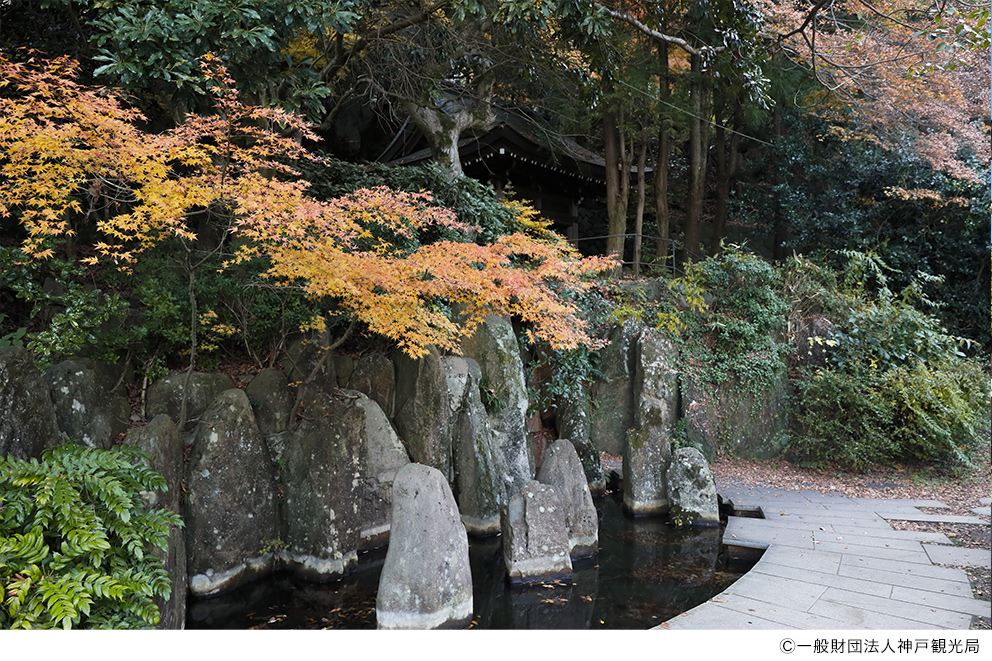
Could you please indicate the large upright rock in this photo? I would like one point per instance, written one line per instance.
(375, 376)
(426, 581)
(88, 409)
(422, 409)
(339, 466)
(504, 394)
(271, 401)
(612, 391)
(480, 486)
(231, 510)
(573, 417)
(28, 425)
(563, 470)
(647, 450)
(161, 441)
(535, 536)
(165, 395)
(692, 489)
(737, 419)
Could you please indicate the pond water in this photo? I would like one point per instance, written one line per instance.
(646, 572)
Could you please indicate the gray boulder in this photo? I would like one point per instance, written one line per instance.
(613, 390)
(480, 486)
(426, 581)
(422, 409)
(271, 401)
(344, 366)
(504, 394)
(562, 470)
(28, 425)
(572, 420)
(647, 450)
(165, 395)
(535, 536)
(161, 441)
(231, 515)
(737, 419)
(692, 490)
(88, 409)
(375, 376)
(338, 471)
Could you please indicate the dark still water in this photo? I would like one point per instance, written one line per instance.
(646, 572)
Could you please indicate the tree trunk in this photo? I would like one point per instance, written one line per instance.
(661, 210)
(698, 133)
(443, 123)
(617, 181)
(642, 157)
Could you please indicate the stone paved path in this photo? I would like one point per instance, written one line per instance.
(833, 562)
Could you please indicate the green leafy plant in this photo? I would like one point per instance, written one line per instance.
(78, 316)
(14, 339)
(739, 333)
(893, 385)
(75, 540)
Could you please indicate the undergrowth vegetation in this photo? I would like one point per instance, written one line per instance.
(874, 377)
(76, 540)
(890, 384)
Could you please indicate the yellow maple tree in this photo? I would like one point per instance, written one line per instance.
(67, 149)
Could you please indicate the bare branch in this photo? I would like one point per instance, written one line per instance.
(659, 36)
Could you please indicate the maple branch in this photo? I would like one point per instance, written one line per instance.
(660, 36)
(888, 17)
(319, 365)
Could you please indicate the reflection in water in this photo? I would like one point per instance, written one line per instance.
(646, 572)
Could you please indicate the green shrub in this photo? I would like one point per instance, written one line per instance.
(75, 541)
(927, 415)
(740, 331)
(893, 384)
(79, 319)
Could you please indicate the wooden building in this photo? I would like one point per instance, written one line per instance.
(559, 177)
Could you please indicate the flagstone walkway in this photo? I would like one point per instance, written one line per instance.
(833, 562)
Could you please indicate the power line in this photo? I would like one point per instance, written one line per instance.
(702, 119)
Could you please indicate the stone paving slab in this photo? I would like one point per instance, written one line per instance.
(907, 569)
(983, 511)
(888, 533)
(858, 573)
(923, 617)
(855, 617)
(960, 587)
(714, 616)
(749, 533)
(961, 604)
(932, 518)
(826, 518)
(917, 555)
(903, 544)
(819, 561)
(806, 576)
(784, 618)
(958, 556)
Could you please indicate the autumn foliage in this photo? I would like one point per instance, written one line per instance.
(74, 156)
(917, 72)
